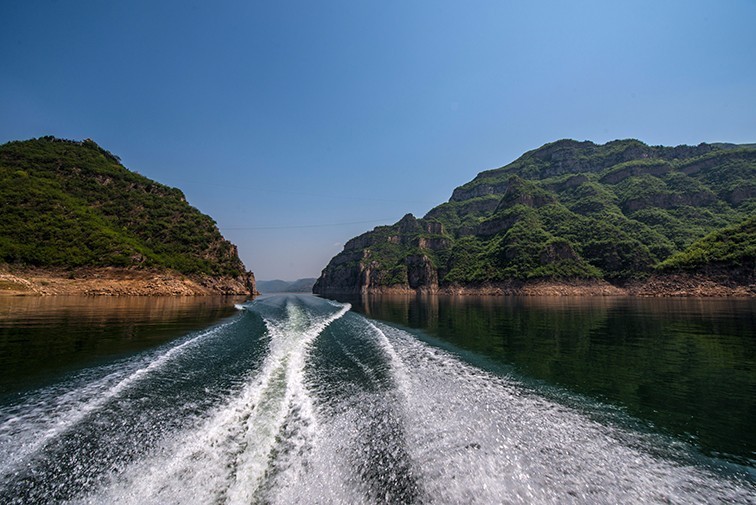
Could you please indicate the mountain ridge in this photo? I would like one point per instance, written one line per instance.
(606, 213)
(303, 285)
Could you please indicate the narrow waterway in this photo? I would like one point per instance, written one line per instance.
(297, 399)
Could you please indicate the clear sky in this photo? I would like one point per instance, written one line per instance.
(300, 124)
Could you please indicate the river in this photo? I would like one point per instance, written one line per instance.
(298, 399)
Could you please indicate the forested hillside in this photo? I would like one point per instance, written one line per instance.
(569, 210)
(73, 204)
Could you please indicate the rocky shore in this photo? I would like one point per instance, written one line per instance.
(669, 285)
(111, 281)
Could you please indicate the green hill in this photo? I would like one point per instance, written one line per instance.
(568, 210)
(731, 248)
(73, 204)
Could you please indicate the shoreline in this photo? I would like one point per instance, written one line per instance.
(115, 281)
(656, 286)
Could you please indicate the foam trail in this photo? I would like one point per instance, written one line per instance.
(479, 438)
(398, 367)
(360, 454)
(283, 391)
(303, 402)
(24, 435)
(228, 458)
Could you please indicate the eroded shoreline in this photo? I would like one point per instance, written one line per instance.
(112, 281)
(669, 285)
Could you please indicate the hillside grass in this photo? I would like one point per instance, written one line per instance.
(73, 204)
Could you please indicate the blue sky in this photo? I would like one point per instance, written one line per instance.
(299, 124)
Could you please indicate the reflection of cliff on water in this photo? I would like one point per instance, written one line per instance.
(688, 365)
(43, 336)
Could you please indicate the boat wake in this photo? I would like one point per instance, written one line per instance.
(298, 400)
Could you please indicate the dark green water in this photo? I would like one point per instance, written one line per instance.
(685, 366)
(43, 338)
(298, 399)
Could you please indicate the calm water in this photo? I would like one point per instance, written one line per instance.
(44, 338)
(297, 399)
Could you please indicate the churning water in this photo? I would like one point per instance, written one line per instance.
(298, 400)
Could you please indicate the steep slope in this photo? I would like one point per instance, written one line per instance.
(67, 204)
(569, 210)
(731, 249)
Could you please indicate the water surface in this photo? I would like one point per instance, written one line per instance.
(683, 366)
(298, 399)
(44, 337)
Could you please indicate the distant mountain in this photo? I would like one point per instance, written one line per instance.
(274, 286)
(279, 286)
(612, 214)
(302, 285)
(68, 204)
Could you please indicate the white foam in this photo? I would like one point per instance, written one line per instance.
(53, 412)
(435, 429)
(479, 438)
(227, 458)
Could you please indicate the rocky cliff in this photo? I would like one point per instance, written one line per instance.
(590, 218)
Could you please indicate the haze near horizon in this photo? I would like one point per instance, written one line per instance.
(299, 125)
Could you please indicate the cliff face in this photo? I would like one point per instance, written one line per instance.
(602, 217)
(388, 258)
(73, 205)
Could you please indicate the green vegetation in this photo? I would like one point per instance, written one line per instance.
(72, 204)
(570, 209)
(732, 247)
